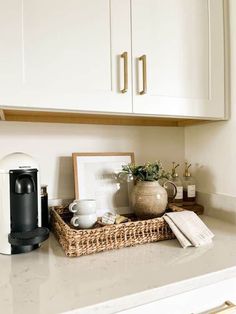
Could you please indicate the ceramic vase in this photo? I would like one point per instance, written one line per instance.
(149, 199)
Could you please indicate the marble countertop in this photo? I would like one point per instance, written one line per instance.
(46, 281)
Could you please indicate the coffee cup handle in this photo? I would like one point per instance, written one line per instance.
(74, 221)
(71, 207)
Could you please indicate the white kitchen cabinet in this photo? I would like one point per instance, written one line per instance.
(76, 55)
(57, 54)
(206, 300)
(183, 43)
(10, 49)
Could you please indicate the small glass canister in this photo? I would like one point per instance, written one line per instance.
(44, 206)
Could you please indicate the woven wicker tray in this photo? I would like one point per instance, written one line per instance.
(83, 242)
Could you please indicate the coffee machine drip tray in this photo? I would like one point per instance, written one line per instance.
(33, 237)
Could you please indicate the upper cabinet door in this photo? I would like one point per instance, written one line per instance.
(66, 54)
(11, 71)
(178, 53)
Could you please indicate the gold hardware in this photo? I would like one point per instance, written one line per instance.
(186, 171)
(143, 58)
(125, 57)
(174, 173)
(231, 308)
(2, 115)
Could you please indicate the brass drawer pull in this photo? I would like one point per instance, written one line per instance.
(231, 308)
(143, 58)
(125, 57)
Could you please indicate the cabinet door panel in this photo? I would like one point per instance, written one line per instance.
(10, 47)
(64, 39)
(70, 56)
(205, 300)
(183, 44)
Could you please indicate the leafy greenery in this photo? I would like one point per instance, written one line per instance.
(146, 172)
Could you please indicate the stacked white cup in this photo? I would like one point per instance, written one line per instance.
(84, 211)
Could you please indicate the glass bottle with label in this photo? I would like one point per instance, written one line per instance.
(189, 186)
(178, 200)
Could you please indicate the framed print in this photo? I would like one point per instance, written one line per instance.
(97, 177)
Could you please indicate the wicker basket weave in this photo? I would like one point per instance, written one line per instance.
(83, 242)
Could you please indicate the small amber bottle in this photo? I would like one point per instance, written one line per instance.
(178, 200)
(189, 187)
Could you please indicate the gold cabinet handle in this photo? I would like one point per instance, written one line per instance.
(231, 308)
(143, 58)
(125, 57)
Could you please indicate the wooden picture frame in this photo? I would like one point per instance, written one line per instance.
(95, 176)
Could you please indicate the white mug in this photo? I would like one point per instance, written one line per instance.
(83, 207)
(84, 221)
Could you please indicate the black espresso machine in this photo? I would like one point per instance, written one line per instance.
(20, 205)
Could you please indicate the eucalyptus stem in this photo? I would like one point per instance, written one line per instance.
(146, 172)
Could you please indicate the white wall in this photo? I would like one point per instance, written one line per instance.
(53, 144)
(212, 147)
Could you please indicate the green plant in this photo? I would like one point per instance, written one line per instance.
(146, 172)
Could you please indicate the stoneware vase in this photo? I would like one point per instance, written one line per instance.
(149, 199)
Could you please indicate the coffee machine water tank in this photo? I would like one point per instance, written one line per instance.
(20, 205)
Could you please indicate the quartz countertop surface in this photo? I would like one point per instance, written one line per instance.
(46, 281)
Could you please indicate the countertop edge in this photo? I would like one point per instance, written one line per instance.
(147, 296)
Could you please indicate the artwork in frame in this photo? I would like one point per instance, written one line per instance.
(97, 176)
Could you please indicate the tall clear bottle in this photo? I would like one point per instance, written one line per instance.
(178, 200)
(189, 187)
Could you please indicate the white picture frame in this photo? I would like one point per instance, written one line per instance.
(96, 177)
